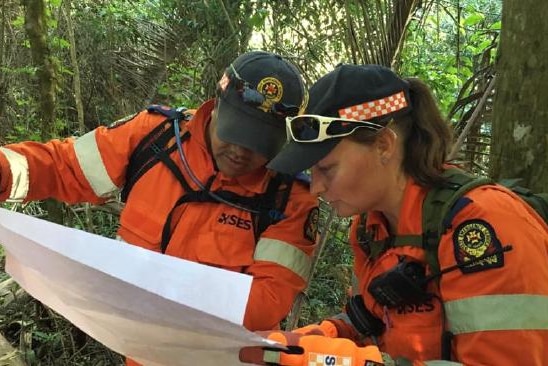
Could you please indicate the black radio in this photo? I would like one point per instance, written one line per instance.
(402, 285)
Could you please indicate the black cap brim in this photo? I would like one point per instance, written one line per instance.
(296, 157)
(242, 125)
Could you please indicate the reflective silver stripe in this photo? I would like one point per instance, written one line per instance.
(497, 312)
(272, 357)
(19, 167)
(89, 157)
(284, 254)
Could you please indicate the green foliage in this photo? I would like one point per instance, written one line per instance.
(496, 26)
(445, 50)
(46, 338)
(26, 70)
(179, 89)
(258, 19)
(21, 133)
(331, 281)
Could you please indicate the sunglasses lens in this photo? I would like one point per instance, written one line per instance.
(338, 127)
(305, 128)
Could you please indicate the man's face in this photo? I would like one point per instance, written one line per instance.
(233, 160)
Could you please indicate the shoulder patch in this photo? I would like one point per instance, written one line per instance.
(473, 239)
(122, 121)
(311, 224)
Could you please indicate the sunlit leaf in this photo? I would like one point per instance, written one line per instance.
(473, 19)
(496, 26)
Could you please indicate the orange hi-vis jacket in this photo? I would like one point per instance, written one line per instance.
(92, 168)
(495, 308)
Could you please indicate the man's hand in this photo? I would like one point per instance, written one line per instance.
(303, 350)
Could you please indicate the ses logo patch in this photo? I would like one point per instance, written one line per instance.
(234, 220)
(319, 359)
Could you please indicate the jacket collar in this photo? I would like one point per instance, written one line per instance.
(410, 214)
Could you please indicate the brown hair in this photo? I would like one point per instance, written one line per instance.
(426, 136)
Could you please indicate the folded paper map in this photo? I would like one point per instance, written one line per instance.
(156, 309)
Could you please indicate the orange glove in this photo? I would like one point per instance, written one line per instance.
(304, 350)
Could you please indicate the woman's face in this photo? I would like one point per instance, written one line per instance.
(352, 178)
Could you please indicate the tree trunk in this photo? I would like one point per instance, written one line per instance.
(520, 120)
(75, 68)
(36, 28)
(4, 20)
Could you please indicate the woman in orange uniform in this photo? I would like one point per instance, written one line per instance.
(376, 144)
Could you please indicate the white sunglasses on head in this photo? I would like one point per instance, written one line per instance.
(315, 128)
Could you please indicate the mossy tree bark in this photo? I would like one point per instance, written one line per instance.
(36, 28)
(520, 121)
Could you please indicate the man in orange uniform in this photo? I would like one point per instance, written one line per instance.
(192, 204)
(377, 144)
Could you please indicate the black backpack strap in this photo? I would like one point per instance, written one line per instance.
(163, 156)
(273, 202)
(364, 237)
(189, 196)
(538, 201)
(180, 113)
(143, 157)
(154, 145)
(374, 248)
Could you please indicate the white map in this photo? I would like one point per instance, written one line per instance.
(156, 309)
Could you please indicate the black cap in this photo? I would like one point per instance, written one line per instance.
(257, 127)
(360, 92)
